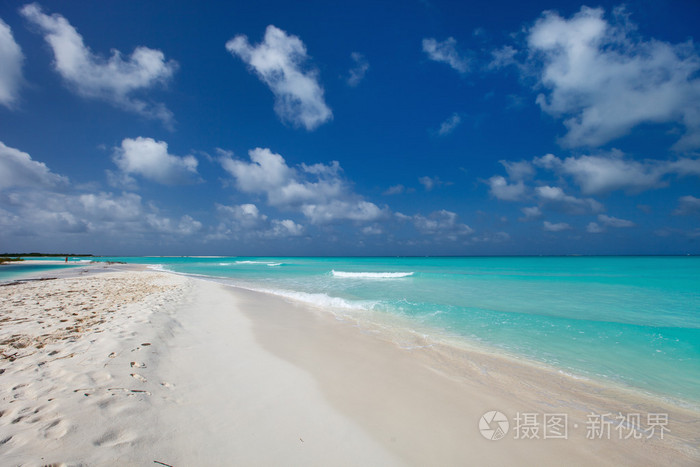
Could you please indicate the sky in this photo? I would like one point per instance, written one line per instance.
(350, 128)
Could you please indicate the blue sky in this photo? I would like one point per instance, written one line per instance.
(371, 128)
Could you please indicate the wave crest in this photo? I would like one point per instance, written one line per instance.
(370, 275)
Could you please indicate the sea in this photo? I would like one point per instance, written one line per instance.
(629, 321)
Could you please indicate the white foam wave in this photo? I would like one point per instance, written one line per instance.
(319, 300)
(370, 275)
(157, 267)
(266, 263)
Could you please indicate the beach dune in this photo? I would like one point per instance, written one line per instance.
(137, 366)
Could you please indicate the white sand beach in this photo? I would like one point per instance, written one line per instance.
(138, 367)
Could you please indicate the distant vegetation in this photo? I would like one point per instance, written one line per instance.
(6, 259)
(3, 255)
(14, 257)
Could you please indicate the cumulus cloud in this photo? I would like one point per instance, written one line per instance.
(150, 159)
(593, 227)
(446, 52)
(317, 191)
(357, 73)
(608, 221)
(18, 169)
(599, 174)
(502, 57)
(501, 189)
(556, 227)
(603, 79)
(687, 205)
(395, 190)
(521, 170)
(115, 79)
(449, 125)
(41, 207)
(431, 182)
(246, 220)
(441, 223)
(554, 197)
(11, 59)
(59, 215)
(279, 61)
(615, 222)
(531, 213)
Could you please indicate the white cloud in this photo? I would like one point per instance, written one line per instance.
(107, 207)
(558, 227)
(593, 227)
(372, 230)
(395, 190)
(17, 169)
(449, 125)
(246, 220)
(317, 191)
(501, 189)
(279, 62)
(687, 205)
(521, 170)
(603, 79)
(496, 237)
(356, 210)
(116, 79)
(502, 57)
(11, 60)
(150, 159)
(446, 52)
(554, 197)
(358, 72)
(615, 222)
(441, 223)
(285, 228)
(531, 213)
(185, 226)
(432, 182)
(41, 207)
(600, 174)
(244, 216)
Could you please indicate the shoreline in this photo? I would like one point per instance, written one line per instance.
(221, 357)
(409, 334)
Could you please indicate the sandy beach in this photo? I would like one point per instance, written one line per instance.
(131, 366)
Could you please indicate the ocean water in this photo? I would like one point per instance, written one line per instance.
(634, 321)
(23, 269)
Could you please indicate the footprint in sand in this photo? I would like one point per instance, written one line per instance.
(138, 365)
(56, 429)
(114, 438)
(138, 377)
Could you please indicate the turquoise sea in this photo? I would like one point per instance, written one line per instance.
(23, 269)
(634, 321)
